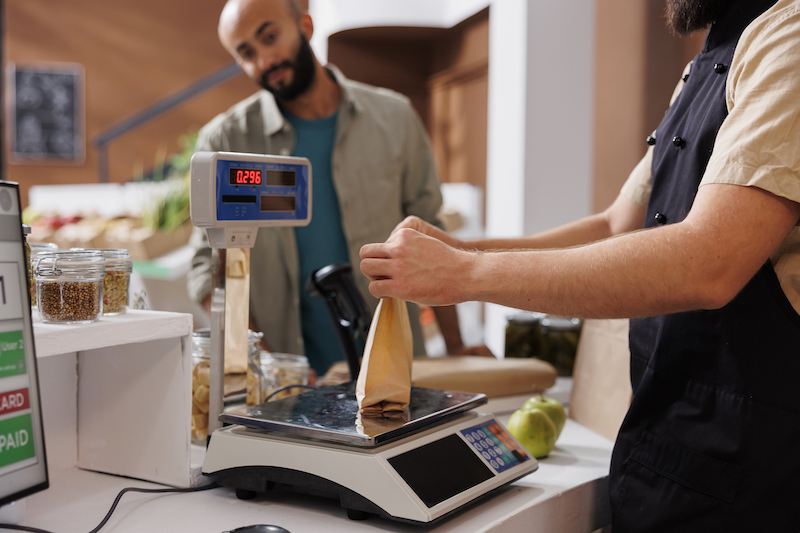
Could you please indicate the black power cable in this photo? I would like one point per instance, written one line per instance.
(114, 506)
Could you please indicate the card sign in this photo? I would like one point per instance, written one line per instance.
(47, 113)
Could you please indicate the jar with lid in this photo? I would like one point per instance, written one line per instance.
(559, 338)
(276, 370)
(201, 375)
(547, 337)
(69, 286)
(35, 249)
(116, 281)
(523, 335)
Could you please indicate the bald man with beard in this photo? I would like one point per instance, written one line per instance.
(701, 250)
(372, 166)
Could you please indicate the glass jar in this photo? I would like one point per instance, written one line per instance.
(69, 286)
(547, 337)
(116, 281)
(276, 370)
(559, 337)
(201, 374)
(523, 335)
(201, 378)
(35, 249)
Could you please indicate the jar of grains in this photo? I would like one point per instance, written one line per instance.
(69, 286)
(201, 377)
(37, 247)
(116, 281)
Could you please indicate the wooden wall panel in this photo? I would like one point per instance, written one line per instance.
(445, 74)
(134, 52)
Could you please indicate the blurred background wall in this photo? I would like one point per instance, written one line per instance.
(540, 108)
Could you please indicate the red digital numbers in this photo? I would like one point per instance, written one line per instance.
(248, 177)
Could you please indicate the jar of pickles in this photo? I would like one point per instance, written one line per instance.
(201, 377)
(69, 286)
(275, 370)
(547, 337)
(37, 247)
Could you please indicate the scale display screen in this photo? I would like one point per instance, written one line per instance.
(495, 445)
(440, 470)
(255, 176)
(23, 468)
(249, 190)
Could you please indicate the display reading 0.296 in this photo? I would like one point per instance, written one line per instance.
(245, 176)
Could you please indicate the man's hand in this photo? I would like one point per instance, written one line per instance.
(415, 267)
(417, 224)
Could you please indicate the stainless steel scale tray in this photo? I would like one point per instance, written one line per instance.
(331, 414)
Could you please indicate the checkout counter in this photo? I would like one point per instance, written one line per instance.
(568, 493)
(116, 400)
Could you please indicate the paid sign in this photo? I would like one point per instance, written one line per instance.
(16, 440)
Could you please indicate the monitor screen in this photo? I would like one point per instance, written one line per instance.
(23, 467)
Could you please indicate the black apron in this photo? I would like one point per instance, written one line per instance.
(711, 442)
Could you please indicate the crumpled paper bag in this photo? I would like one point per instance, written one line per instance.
(371, 425)
(384, 382)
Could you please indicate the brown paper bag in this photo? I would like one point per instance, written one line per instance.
(384, 382)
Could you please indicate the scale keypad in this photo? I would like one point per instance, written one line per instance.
(492, 442)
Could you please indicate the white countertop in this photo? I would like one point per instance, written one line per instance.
(133, 327)
(567, 494)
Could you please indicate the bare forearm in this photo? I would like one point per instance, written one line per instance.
(632, 275)
(699, 263)
(590, 229)
(622, 216)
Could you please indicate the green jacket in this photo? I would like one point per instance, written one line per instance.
(383, 171)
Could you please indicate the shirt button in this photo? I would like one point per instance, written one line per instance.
(284, 151)
(650, 140)
(685, 78)
(719, 68)
(660, 218)
(679, 142)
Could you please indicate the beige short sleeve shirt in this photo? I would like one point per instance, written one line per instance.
(758, 144)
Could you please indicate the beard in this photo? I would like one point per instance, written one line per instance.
(687, 16)
(303, 70)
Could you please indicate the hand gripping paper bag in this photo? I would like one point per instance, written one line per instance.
(384, 382)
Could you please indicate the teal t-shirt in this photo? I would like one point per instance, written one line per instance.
(322, 242)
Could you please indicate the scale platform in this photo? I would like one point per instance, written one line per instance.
(331, 415)
(436, 459)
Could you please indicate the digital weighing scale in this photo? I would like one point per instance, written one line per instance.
(436, 458)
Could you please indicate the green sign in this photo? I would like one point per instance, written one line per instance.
(12, 354)
(16, 440)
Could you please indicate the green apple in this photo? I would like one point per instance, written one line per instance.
(534, 429)
(550, 406)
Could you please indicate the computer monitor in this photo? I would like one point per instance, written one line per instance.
(23, 466)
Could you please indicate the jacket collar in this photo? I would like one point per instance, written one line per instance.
(734, 20)
(271, 112)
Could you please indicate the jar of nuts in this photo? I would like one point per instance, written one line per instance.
(201, 376)
(277, 370)
(69, 286)
(37, 247)
(116, 280)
